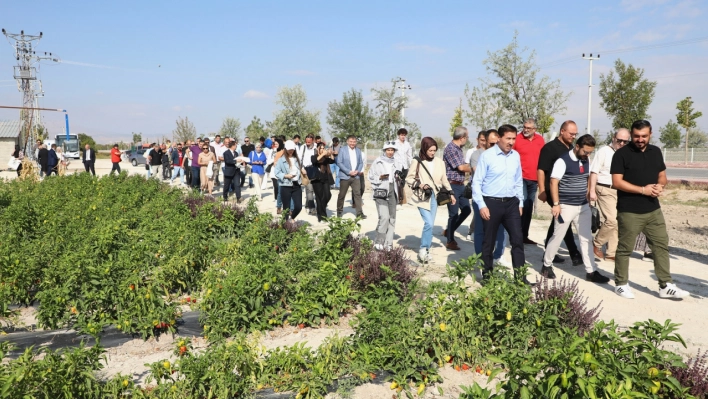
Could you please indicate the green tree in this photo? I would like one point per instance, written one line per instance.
(137, 138)
(625, 94)
(184, 131)
(686, 117)
(514, 90)
(670, 135)
(86, 139)
(255, 129)
(293, 117)
(389, 109)
(456, 119)
(230, 127)
(351, 115)
(697, 138)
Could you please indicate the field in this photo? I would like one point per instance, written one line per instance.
(285, 309)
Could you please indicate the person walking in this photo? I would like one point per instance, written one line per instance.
(605, 196)
(218, 147)
(305, 154)
(52, 161)
(231, 173)
(288, 172)
(404, 152)
(351, 166)
(194, 151)
(246, 149)
(639, 175)
(63, 163)
(323, 180)
(333, 167)
(569, 196)
(177, 159)
(471, 158)
(277, 148)
(207, 161)
(89, 159)
(257, 160)
(115, 159)
(425, 178)
(528, 145)
(155, 160)
(42, 159)
(497, 190)
(18, 156)
(455, 169)
(384, 175)
(550, 153)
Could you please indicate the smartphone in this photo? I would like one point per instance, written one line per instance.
(383, 177)
(560, 219)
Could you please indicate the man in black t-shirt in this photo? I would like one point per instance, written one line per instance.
(639, 175)
(246, 149)
(550, 153)
(155, 160)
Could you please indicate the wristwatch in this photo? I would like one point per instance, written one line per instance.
(556, 204)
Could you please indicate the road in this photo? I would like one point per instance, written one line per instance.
(687, 173)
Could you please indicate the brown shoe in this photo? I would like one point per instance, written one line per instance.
(444, 232)
(279, 211)
(612, 258)
(598, 252)
(453, 246)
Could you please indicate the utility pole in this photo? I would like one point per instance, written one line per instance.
(27, 82)
(401, 84)
(591, 59)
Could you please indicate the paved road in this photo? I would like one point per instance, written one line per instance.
(687, 173)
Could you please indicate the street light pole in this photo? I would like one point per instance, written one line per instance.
(591, 59)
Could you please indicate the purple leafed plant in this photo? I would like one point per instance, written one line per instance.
(366, 266)
(694, 376)
(574, 312)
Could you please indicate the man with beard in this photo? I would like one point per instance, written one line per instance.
(569, 196)
(529, 145)
(639, 175)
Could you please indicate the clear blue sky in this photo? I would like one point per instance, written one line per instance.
(227, 58)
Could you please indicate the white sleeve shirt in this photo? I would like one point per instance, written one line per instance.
(601, 164)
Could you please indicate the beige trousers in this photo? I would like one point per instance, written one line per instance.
(607, 202)
(257, 182)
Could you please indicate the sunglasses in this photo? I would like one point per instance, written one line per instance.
(205, 148)
(622, 141)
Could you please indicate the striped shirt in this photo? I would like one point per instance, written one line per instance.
(572, 174)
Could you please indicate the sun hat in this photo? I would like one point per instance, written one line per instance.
(389, 144)
(290, 145)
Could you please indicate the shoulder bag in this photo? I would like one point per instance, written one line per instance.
(444, 195)
(423, 195)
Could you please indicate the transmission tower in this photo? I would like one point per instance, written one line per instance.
(25, 73)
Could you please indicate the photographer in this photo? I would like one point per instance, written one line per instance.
(322, 159)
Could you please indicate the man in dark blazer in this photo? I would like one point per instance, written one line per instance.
(231, 172)
(89, 157)
(43, 160)
(52, 161)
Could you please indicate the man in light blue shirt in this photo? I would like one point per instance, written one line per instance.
(497, 191)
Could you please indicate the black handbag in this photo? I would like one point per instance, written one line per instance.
(468, 191)
(380, 193)
(595, 218)
(268, 168)
(444, 195)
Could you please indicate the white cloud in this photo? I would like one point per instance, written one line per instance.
(419, 47)
(685, 9)
(648, 36)
(177, 108)
(636, 5)
(254, 94)
(300, 72)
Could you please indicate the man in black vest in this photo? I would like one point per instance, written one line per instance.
(569, 196)
(639, 175)
(89, 157)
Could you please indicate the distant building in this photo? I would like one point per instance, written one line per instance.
(9, 133)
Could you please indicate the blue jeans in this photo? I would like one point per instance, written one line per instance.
(479, 235)
(454, 219)
(426, 238)
(177, 171)
(530, 188)
(335, 172)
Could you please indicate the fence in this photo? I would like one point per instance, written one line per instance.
(695, 155)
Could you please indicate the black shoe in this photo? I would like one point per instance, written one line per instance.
(558, 259)
(525, 281)
(577, 259)
(648, 255)
(547, 271)
(339, 215)
(596, 277)
(362, 216)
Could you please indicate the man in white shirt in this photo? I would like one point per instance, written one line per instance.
(481, 145)
(404, 152)
(601, 191)
(219, 148)
(305, 153)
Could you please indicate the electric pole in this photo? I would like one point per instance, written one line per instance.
(401, 84)
(25, 73)
(591, 59)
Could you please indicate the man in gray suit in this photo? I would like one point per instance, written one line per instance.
(351, 167)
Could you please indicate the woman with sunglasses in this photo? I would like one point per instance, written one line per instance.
(287, 170)
(425, 183)
(384, 175)
(206, 161)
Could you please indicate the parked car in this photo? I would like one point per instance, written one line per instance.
(137, 157)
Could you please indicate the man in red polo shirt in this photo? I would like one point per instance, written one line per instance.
(528, 145)
(115, 159)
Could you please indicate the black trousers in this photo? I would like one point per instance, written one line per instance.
(362, 182)
(293, 193)
(116, 167)
(275, 188)
(502, 213)
(567, 239)
(322, 195)
(232, 183)
(90, 166)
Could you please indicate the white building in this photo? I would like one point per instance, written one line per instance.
(9, 132)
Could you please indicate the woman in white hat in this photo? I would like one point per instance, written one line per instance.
(384, 175)
(288, 172)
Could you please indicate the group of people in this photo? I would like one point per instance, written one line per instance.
(508, 168)
(49, 160)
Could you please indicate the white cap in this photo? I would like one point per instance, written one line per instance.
(390, 144)
(290, 145)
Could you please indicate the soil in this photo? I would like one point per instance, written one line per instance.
(685, 213)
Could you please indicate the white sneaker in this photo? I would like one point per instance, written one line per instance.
(502, 262)
(428, 257)
(626, 292)
(423, 255)
(672, 291)
(378, 247)
(469, 237)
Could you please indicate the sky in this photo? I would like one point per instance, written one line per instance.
(136, 66)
